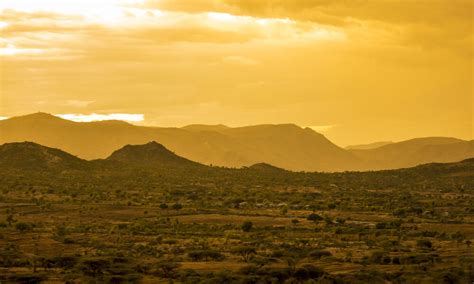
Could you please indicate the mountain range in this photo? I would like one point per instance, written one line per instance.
(286, 146)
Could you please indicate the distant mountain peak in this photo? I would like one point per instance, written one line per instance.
(43, 115)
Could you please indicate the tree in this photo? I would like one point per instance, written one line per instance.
(177, 206)
(247, 226)
(10, 219)
(93, 266)
(245, 252)
(167, 268)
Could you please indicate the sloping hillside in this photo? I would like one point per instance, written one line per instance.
(32, 156)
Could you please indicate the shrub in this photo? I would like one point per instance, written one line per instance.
(205, 254)
(245, 252)
(317, 254)
(314, 217)
(309, 271)
(377, 257)
(424, 244)
(177, 206)
(22, 226)
(247, 226)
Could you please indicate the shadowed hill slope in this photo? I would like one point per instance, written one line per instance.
(28, 155)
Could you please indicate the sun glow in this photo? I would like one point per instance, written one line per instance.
(11, 50)
(75, 7)
(107, 12)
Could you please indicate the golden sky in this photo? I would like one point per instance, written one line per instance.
(358, 71)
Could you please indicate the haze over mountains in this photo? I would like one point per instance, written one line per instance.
(286, 146)
(368, 146)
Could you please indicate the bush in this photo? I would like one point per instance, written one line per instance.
(247, 226)
(22, 227)
(93, 266)
(317, 254)
(396, 260)
(424, 244)
(309, 271)
(177, 206)
(205, 254)
(377, 257)
(314, 217)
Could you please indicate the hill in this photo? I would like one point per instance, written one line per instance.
(415, 152)
(151, 154)
(32, 156)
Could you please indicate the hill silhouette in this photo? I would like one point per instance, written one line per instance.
(285, 146)
(29, 155)
(151, 154)
(265, 167)
(415, 152)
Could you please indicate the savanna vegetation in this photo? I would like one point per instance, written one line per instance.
(251, 225)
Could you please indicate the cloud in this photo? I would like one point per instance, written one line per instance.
(428, 24)
(64, 35)
(301, 61)
(102, 117)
